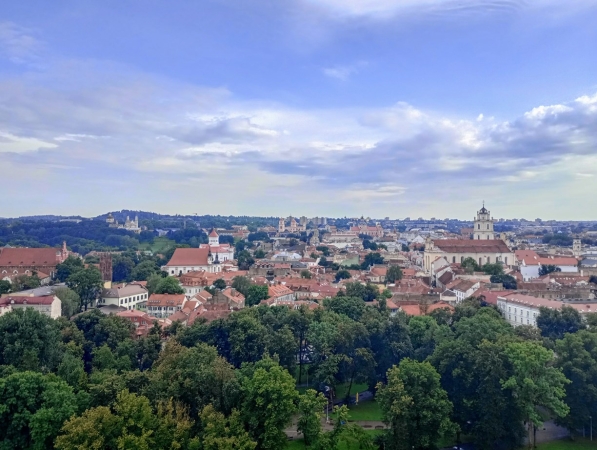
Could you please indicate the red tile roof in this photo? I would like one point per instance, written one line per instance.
(189, 257)
(23, 300)
(213, 233)
(471, 245)
(166, 300)
(29, 256)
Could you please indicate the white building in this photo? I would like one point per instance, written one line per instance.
(219, 252)
(457, 250)
(483, 228)
(519, 309)
(529, 263)
(130, 296)
(191, 259)
(49, 305)
(164, 305)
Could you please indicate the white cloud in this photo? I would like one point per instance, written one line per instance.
(387, 9)
(344, 72)
(18, 44)
(17, 144)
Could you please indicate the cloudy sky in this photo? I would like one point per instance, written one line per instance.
(305, 107)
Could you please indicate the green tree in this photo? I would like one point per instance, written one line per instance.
(393, 274)
(70, 301)
(535, 382)
(269, 400)
(224, 433)
(554, 323)
(169, 285)
(577, 358)
(470, 265)
(245, 260)
(547, 269)
(195, 376)
(508, 281)
(70, 265)
(219, 284)
(371, 259)
(24, 282)
(5, 287)
(32, 409)
(310, 408)
(493, 269)
(29, 340)
(323, 249)
(342, 274)
(352, 307)
(259, 254)
(130, 424)
(414, 405)
(255, 294)
(241, 284)
(144, 270)
(88, 284)
(306, 274)
(122, 268)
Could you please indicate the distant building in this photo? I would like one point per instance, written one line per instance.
(25, 261)
(49, 305)
(164, 305)
(483, 228)
(191, 259)
(519, 309)
(129, 296)
(219, 252)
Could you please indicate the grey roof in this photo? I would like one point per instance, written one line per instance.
(40, 291)
(129, 289)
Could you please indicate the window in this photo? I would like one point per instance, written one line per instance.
(527, 321)
(478, 226)
(506, 260)
(453, 259)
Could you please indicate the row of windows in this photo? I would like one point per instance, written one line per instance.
(488, 258)
(516, 321)
(479, 226)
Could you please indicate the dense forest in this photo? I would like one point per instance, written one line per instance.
(95, 234)
(232, 383)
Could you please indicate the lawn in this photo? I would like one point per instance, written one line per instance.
(341, 389)
(159, 244)
(368, 410)
(567, 444)
(300, 445)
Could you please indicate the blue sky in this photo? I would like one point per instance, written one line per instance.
(306, 107)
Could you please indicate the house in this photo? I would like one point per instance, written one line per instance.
(25, 261)
(129, 296)
(219, 252)
(229, 297)
(529, 263)
(463, 288)
(49, 305)
(280, 293)
(186, 260)
(377, 273)
(164, 305)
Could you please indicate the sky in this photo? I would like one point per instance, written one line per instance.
(380, 108)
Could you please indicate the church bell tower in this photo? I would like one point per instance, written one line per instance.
(483, 225)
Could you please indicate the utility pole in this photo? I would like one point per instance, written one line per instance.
(591, 417)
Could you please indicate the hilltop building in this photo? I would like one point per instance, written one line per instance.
(219, 252)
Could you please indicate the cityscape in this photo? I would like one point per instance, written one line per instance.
(298, 225)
